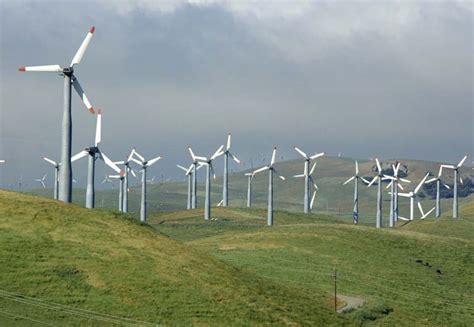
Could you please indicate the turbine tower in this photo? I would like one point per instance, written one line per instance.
(209, 171)
(93, 153)
(225, 185)
(65, 174)
(144, 164)
(394, 185)
(412, 195)
(438, 190)
(121, 178)
(56, 175)
(455, 187)
(356, 177)
(249, 189)
(271, 170)
(41, 180)
(307, 178)
(379, 177)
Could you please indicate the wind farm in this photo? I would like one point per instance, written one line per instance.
(205, 212)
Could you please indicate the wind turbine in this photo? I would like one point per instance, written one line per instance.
(65, 174)
(394, 185)
(307, 178)
(379, 177)
(144, 164)
(438, 190)
(56, 175)
(121, 178)
(208, 162)
(225, 185)
(93, 152)
(41, 180)
(189, 173)
(127, 170)
(271, 170)
(411, 195)
(194, 181)
(455, 187)
(356, 177)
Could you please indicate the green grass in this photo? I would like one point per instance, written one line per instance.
(182, 270)
(104, 262)
(376, 265)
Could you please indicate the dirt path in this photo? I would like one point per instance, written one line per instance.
(351, 303)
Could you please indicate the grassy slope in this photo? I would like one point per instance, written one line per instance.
(100, 261)
(377, 265)
(333, 198)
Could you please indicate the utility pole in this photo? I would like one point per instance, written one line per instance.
(335, 290)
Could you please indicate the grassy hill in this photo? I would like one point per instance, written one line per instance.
(333, 198)
(62, 264)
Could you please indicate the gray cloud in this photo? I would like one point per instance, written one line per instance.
(392, 79)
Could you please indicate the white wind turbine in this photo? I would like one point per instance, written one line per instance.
(308, 176)
(144, 164)
(271, 170)
(225, 185)
(195, 165)
(93, 152)
(210, 170)
(394, 185)
(65, 176)
(127, 170)
(308, 204)
(56, 175)
(379, 177)
(455, 187)
(249, 189)
(438, 181)
(41, 180)
(412, 195)
(356, 177)
(189, 173)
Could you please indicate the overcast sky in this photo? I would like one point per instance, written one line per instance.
(393, 79)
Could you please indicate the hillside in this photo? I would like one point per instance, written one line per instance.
(63, 264)
(379, 266)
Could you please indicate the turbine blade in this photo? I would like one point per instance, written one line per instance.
(82, 95)
(137, 162)
(461, 162)
(364, 180)
(316, 155)
(405, 195)
(403, 218)
(421, 183)
(154, 160)
(379, 167)
(229, 136)
(400, 187)
(234, 158)
(50, 161)
(372, 181)
(131, 155)
(404, 180)
(46, 68)
(109, 162)
(142, 158)
(260, 170)
(190, 169)
(182, 168)
(447, 186)
(420, 208)
(431, 180)
(448, 166)
(349, 180)
(298, 176)
(357, 168)
(98, 128)
(389, 184)
(304, 155)
(80, 155)
(82, 49)
(313, 168)
(312, 200)
(217, 153)
(273, 156)
(191, 153)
